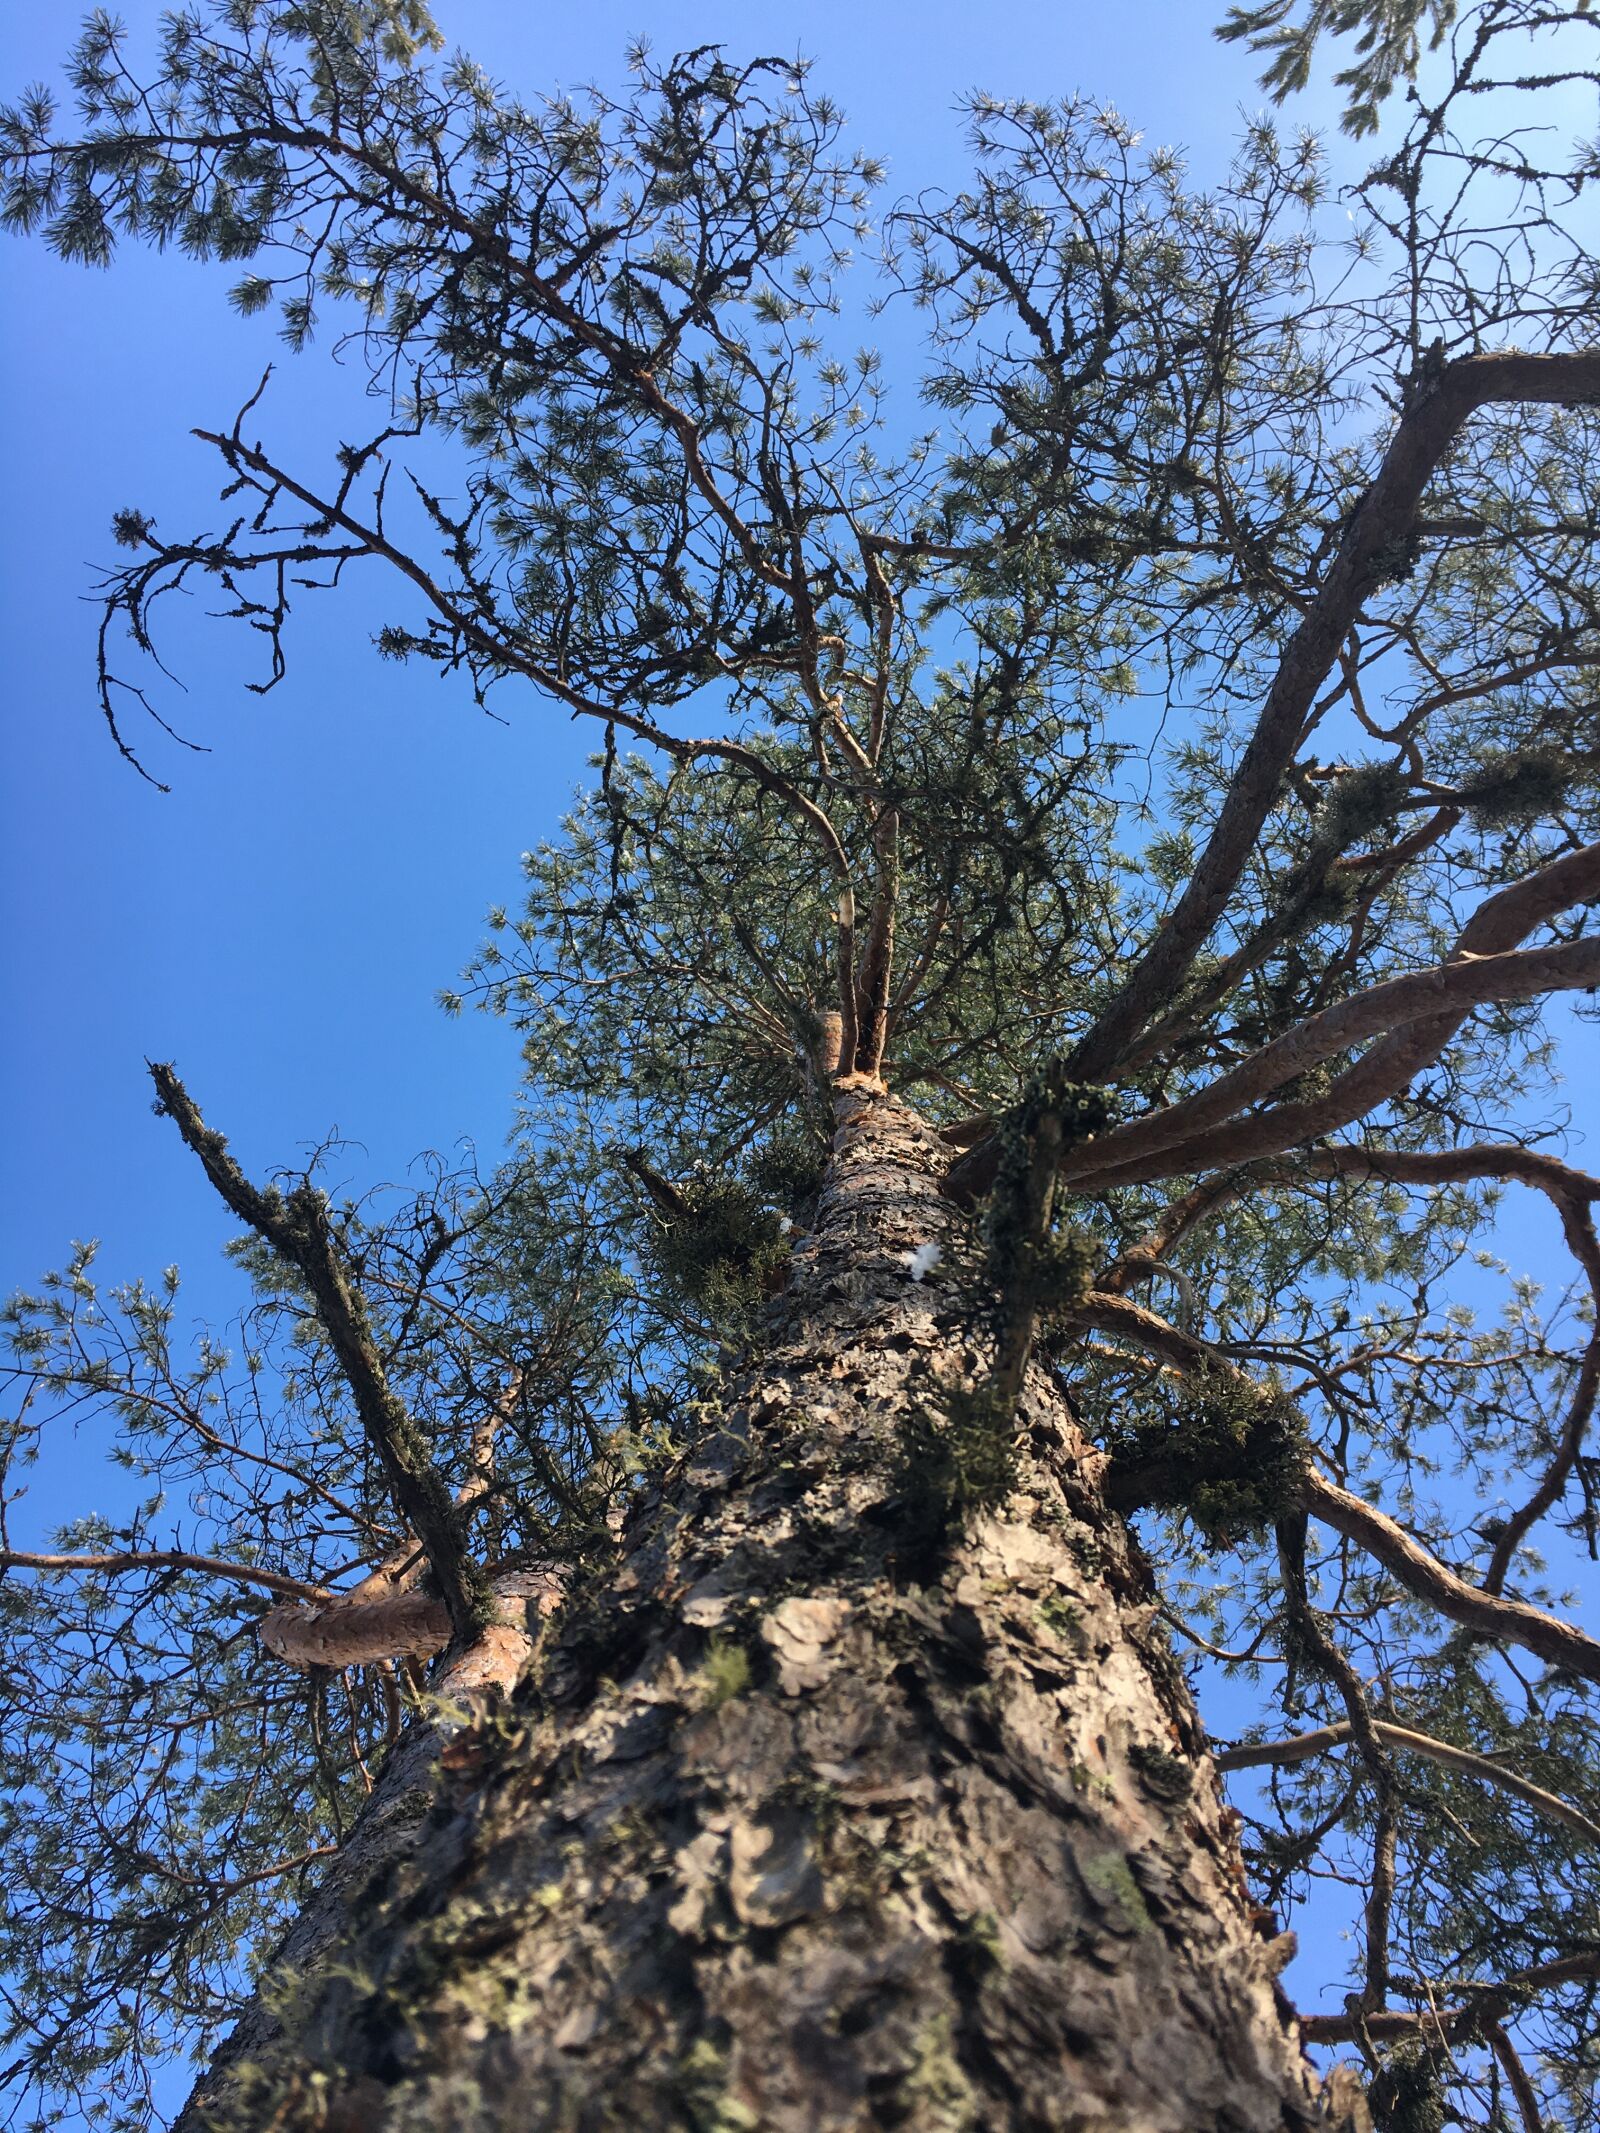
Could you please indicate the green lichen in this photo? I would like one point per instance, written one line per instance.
(1086, 1551)
(813, 1796)
(958, 1456)
(791, 1162)
(647, 1444)
(1517, 786)
(725, 1251)
(1362, 800)
(960, 1453)
(978, 1945)
(724, 1673)
(282, 2092)
(1227, 1454)
(936, 2094)
(701, 2085)
(1109, 1880)
(1322, 901)
(1038, 1269)
(1062, 1620)
(1396, 561)
(1408, 2095)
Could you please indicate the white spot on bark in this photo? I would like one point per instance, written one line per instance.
(705, 1605)
(799, 1632)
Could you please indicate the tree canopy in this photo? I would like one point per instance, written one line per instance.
(1236, 1036)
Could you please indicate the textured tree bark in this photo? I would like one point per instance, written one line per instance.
(803, 1822)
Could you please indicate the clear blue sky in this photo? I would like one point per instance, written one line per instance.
(280, 922)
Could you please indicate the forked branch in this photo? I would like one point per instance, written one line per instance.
(1384, 515)
(1301, 1747)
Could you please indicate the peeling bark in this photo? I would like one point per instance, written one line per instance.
(806, 1820)
(401, 1625)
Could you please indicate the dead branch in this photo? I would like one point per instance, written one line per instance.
(404, 1625)
(296, 1227)
(1488, 2003)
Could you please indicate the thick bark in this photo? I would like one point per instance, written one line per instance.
(812, 1817)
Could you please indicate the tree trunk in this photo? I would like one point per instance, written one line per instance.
(808, 1821)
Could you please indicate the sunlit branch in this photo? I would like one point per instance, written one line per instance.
(1449, 989)
(116, 1562)
(1557, 1642)
(877, 962)
(1496, 1620)
(1383, 515)
(1301, 1747)
(1573, 1193)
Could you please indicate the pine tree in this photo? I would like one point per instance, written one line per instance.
(678, 1630)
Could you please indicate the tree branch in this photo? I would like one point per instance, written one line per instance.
(1485, 1614)
(1517, 2079)
(1451, 2024)
(1417, 1014)
(1496, 1620)
(1383, 516)
(296, 1227)
(1573, 1193)
(499, 651)
(214, 1566)
(1441, 1166)
(1438, 996)
(401, 1625)
(1300, 1747)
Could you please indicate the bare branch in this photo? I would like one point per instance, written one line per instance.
(501, 651)
(1573, 1193)
(1300, 1747)
(119, 1560)
(1449, 2024)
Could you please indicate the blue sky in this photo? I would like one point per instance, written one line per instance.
(280, 922)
